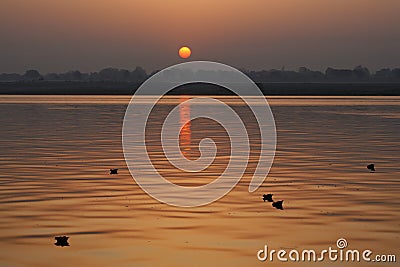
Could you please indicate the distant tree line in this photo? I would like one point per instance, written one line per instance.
(107, 74)
(358, 74)
(138, 75)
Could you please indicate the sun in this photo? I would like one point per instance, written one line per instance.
(184, 52)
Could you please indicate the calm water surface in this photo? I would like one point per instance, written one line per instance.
(54, 180)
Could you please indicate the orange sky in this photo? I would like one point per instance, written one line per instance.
(60, 35)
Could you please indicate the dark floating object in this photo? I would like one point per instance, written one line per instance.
(113, 171)
(371, 167)
(278, 205)
(61, 241)
(268, 197)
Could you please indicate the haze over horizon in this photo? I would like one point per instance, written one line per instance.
(57, 36)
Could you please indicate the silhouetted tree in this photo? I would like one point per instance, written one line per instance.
(361, 73)
(72, 76)
(339, 75)
(108, 74)
(310, 75)
(383, 75)
(32, 75)
(123, 75)
(138, 74)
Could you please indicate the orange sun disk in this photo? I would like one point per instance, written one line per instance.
(184, 52)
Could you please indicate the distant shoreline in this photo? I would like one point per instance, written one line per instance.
(128, 88)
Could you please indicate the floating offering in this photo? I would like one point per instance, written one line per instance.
(61, 241)
(113, 171)
(278, 205)
(268, 197)
(371, 167)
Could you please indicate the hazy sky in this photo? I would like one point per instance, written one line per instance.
(61, 35)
